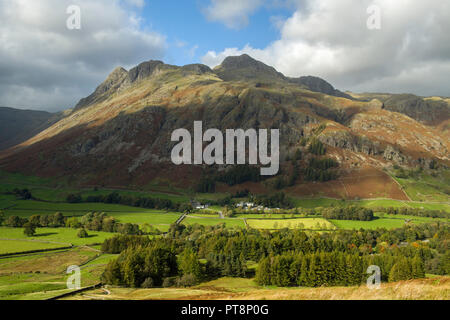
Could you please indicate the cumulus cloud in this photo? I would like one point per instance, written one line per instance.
(330, 39)
(233, 13)
(44, 65)
(136, 3)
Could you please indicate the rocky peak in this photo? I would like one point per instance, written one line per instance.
(117, 73)
(319, 85)
(112, 83)
(197, 68)
(245, 67)
(119, 79)
(144, 70)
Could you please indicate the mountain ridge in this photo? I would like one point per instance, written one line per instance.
(121, 135)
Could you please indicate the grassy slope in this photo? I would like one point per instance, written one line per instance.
(43, 276)
(425, 187)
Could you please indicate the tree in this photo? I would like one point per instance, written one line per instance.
(73, 198)
(312, 274)
(189, 264)
(57, 220)
(148, 283)
(263, 272)
(30, 229)
(82, 233)
(35, 220)
(187, 280)
(14, 222)
(417, 267)
(303, 278)
(2, 217)
(317, 147)
(44, 221)
(400, 271)
(73, 223)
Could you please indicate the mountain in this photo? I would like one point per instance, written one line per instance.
(246, 68)
(319, 85)
(120, 134)
(17, 126)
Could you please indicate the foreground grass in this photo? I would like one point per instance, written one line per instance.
(245, 289)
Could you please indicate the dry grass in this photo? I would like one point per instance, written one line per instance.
(50, 263)
(425, 289)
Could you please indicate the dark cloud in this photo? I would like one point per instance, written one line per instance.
(44, 65)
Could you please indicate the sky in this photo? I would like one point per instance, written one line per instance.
(44, 65)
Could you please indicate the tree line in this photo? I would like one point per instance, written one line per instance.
(94, 221)
(141, 202)
(418, 212)
(235, 175)
(320, 170)
(334, 269)
(348, 213)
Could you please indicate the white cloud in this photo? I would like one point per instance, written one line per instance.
(330, 39)
(136, 3)
(233, 13)
(45, 65)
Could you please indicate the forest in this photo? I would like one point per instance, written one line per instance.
(188, 255)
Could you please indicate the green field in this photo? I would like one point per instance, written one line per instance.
(62, 236)
(305, 223)
(43, 276)
(16, 246)
(268, 216)
(229, 222)
(385, 221)
(425, 187)
(57, 190)
(372, 203)
(375, 224)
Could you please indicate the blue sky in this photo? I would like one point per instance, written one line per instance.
(185, 23)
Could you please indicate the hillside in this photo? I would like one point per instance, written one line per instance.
(17, 126)
(120, 134)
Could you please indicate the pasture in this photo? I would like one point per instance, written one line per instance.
(383, 221)
(302, 224)
(60, 236)
(43, 276)
(229, 222)
(425, 187)
(16, 246)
